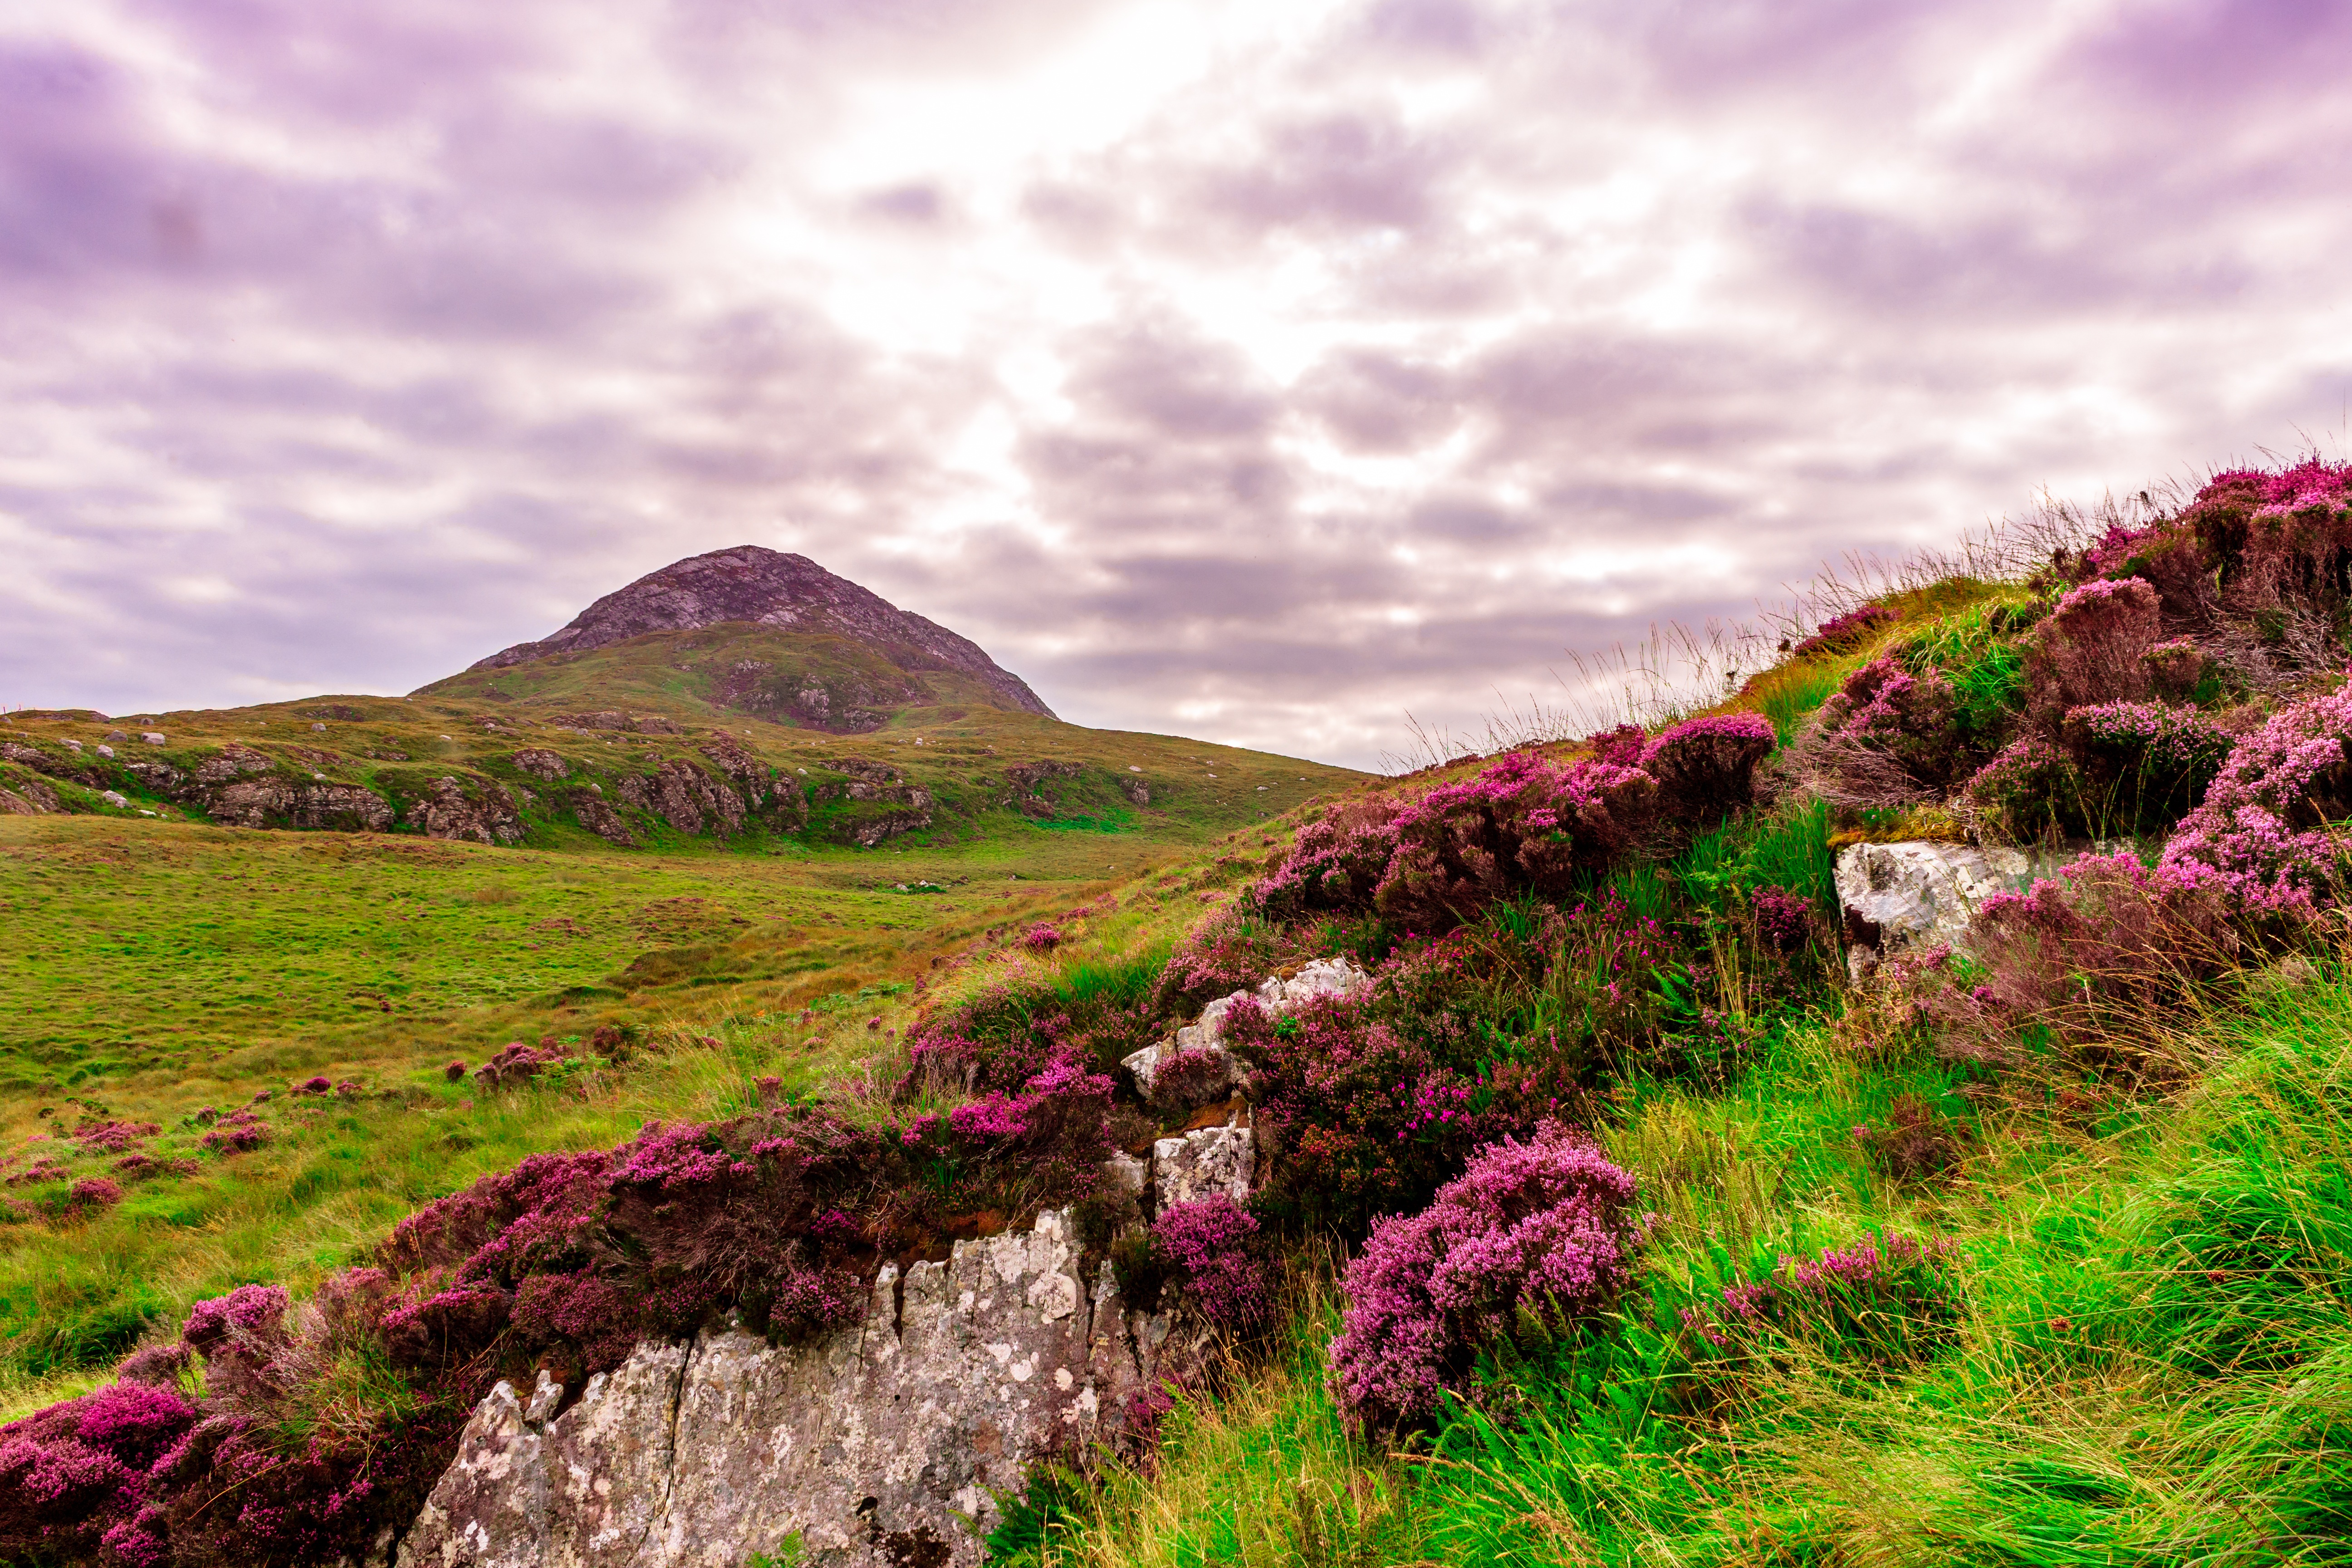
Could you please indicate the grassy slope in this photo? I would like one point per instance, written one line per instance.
(2155, 1365)
(161, 966)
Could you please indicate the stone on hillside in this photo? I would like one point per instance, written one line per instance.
(1899, 898)
(106, 750)
(114, 799)
(876, 1445)
(541, 763)
(1203, 1160)
(152, 737)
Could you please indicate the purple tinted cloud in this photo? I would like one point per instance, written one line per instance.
(1259, 372)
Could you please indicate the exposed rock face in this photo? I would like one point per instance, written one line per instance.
(683, 795)
(634, 723)
(1901, 897)
(601, 820)
(771, 588)
(1036, 785)
(15, 804)
(1204, 1161)
(868, 1443)
(274, 802)
(1324, 977)
(486, 816)
(541, 763)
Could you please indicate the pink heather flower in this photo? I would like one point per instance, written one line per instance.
(1546, 1223)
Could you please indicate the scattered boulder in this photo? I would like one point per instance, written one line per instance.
(153, 737)
(1919, 893)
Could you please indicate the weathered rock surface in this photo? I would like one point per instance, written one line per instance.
(487, 815)
(15, 804)
(1205, 1160)
(541, 763)
(771, 588)
(1324, 977)
(276, 803)
(1902, 897)
(870, 1443)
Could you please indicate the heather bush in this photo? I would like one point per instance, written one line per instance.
(1360, 1118)
(1230, 953)
(1842, 633)
(1706, 768)
(2094, 958)
(1885, 1301)
(1888, 738)
(1523, 825)
(1543, 1228)
(2092, 648)
(1208, 1248)
(2265, 837)
(1785, 920)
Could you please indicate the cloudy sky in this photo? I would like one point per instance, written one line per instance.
(1261, 372)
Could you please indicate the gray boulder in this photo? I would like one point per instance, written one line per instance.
(881, 1444)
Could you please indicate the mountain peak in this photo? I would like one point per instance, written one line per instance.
(770, 587)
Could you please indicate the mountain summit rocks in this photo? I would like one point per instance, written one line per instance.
(771, 588)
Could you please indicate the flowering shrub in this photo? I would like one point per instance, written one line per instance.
(2091, 649)
(1226, 954)
(1523, 825)
(1542, 1226)
(114, 1137)
(73, 1472)
(2265, 835)
(1042, 937)
(1886, 1299)
(1367, 1118)
(1706, 768)
(1205, 1245)
(2092, 955)
(1885, 737)
(1840, 633)
(1623, 746)
(1334, 864)
(1784, 919)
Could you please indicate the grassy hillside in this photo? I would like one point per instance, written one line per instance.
(165, 969)
(1639, 1212)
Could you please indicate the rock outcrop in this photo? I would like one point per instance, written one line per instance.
(1324, 977)
(771, 588)
(882, 1446)
(487, 814)
(1919, 893)
(875, 1445)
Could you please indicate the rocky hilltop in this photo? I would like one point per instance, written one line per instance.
(768, 587)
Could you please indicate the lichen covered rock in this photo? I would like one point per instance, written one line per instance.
(875, 1445)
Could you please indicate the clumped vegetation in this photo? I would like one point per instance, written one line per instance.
(1614, 1219)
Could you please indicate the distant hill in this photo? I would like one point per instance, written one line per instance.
(770, 588)
(744, 698)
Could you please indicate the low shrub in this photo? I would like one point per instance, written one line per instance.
(1543, 1228)
(2092, 648)
(1888, 738)
(1885, 1301)
(2266, 834)
(1841, 633)
(1207, 1248)
(2092, 958)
